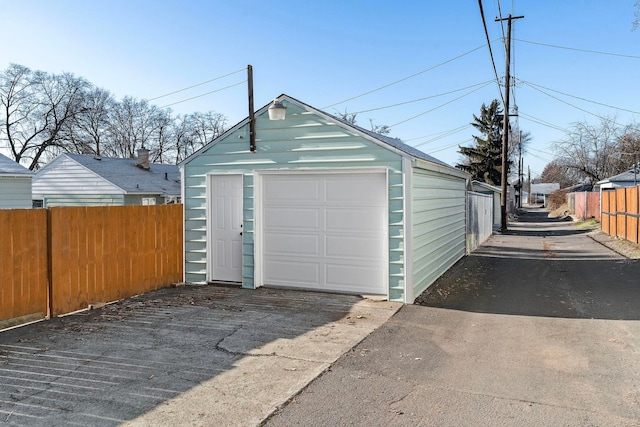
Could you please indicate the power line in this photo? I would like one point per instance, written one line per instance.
(196, 85)
(580, 50)
(422, 99)
(444, 135)
(540, 121)
(204, 94)
(404, 78)
(450, 146)
(533, 85)
(501, 21)
(576, 107)
(493, 62)
(539, 157)
(437, 134)
(440, 106)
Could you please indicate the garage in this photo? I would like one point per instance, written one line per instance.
(309, 201)
(324, 231)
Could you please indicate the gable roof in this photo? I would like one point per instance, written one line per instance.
(123, 173)
(628, 176)
(545, 188)
(10, 167)
(383, 140)
(487, 186)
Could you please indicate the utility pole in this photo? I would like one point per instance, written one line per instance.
(252, 117)
(529, 184)
(520, 171)
(505, 125)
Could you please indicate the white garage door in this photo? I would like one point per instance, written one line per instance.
(325, 231)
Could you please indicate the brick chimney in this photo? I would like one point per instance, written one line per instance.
(143, 159)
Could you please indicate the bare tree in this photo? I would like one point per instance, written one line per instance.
(135, 124)
(43, 115)
(595, 152)
(351, 118)
(90, 130)
(346, 116)
(556, 171)
(379, 129)
(36, 108)
(193, 131)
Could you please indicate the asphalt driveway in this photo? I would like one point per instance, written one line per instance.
(537, 328)
(193, 355)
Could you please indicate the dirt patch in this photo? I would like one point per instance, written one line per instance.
(560, 212)
(624, 247)
(467, 278)
(96, 318)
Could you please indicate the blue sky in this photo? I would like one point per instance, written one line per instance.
(325, 52)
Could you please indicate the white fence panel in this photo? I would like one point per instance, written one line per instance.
(479, 219)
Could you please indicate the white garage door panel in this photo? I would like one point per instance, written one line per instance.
(291, 217)
(354, 248)
(355, 190)
(357, 219)
(290, 192)
(325, 231)
(340, 277)
(292, 244)
(296, 274)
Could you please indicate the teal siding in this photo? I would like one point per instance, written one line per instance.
(83, 200)
(438, 225)
(302, 141)
(15, 192)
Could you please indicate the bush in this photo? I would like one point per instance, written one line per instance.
(557, 199)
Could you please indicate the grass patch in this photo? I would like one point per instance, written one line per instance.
(588, 224)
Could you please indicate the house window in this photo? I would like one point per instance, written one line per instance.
(148, 201)
(37, 203)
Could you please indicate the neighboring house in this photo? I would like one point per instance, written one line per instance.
(88, 180)
(496, 192)
(540, 192)
(320, 205)
(15, 185)
(630, 178)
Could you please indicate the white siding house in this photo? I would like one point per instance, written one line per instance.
(15, 185)
(321, 205)
(87, 180)
(630, 178)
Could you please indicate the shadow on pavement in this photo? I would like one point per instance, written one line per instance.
(541, 267)
(107, 366)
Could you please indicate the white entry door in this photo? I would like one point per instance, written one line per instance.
(225, 228)
(325, 231)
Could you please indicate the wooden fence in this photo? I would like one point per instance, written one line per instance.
(59, 260)
(585, 205)
(620, 213)
(23, 263)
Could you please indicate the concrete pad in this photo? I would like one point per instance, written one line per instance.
(194, 355)
(270, 373)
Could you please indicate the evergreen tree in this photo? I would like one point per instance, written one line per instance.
(484, 160)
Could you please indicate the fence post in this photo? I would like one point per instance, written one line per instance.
(49, 267)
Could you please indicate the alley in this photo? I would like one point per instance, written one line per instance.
(538, 327)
